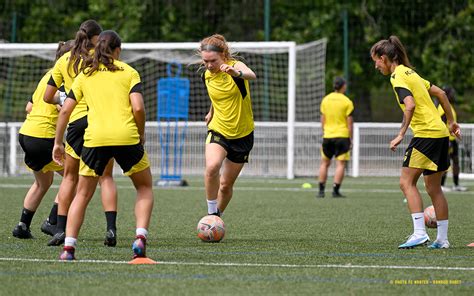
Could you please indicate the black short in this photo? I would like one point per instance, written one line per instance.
(96, 158)
(335, 147)
(430, 154)
(38, 151)
(238, 150)
(75, 134)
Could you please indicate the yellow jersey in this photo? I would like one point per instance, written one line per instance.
(230, 99)
(41, 121)
(61, 74)
(426, 122)
(107, 97)
(336, 107)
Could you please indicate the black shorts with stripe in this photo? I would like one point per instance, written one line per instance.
(38, 151)
(429, 154)
(238, 150)
(75, 134)
(96, 158)
(334, 147)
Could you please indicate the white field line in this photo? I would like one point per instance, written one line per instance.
(239, 188)
(231, 264)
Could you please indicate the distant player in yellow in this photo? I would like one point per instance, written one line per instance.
(337, 123)
(37, 139)
(64, 72)
(427, 152)
(229, 121)
(112, 91)
(453, 144)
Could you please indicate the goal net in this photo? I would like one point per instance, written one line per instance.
(289, 87)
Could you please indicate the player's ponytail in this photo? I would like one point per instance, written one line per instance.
(82, 45)
(107, 42)
(401, 53)
(393, 49)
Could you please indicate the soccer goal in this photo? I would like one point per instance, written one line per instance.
(289, 87)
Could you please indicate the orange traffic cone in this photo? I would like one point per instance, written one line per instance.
(142, 260)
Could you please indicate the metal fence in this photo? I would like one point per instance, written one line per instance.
(371, 155)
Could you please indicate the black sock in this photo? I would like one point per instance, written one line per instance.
(111, 218)
(321, 186)
(61, 225)
(335, 188)
(456, 180)
(53, 215)
(26, 217)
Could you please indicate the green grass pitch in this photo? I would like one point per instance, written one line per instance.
(280, 240)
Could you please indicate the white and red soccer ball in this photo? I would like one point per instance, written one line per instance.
(430, 217)
(211, 228)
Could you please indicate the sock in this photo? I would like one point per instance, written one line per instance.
(443, 180)
(70, 242)
(442, 230)
(141, 232)
(418, 223)
(53, 215)
(61, 225)
(456, 180)
(335, 188)
(321, 186)
(26, 217)
(212, 206)
(111, 218)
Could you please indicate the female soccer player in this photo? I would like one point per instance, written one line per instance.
(116, 129)
(37, 139)
(64, 72)
(230, 120)
(427, 152)
(337, 123)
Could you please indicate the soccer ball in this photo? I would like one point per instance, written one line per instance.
(211, 228)
(430, 217)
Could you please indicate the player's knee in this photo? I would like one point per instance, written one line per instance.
(43, 186)
(432, 190)
(71, 176)
(404, 185)
(225, 187)
(212, 170)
